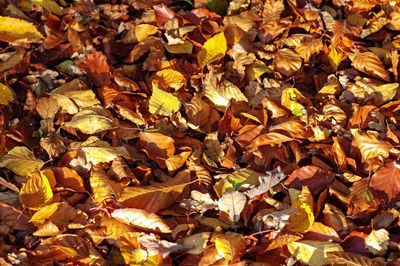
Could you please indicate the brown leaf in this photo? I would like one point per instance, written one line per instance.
(157, 196)
(97, 68)
(287, 62)
(157, 146)
(314, 177)
(386, 182)
(370, 64)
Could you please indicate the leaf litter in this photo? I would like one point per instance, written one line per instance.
(169, 132)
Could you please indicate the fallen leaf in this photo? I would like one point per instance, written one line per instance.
(6, 94)
(142, 219)
(377, 241)
(212, 50)
(230, 245)
(21, 161)
(13, 29)
(163, 103)
(92, 120)
(386, 181)
(157, 196)
(232, 202)
(36, 192)
(313, 252)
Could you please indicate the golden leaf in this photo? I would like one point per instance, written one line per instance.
(220, 91)
(97, 151)
(335, 57)
(175, 162)
(21, 161)
(370, 64)
(186, 47)
(230, 245)
(287, 62)
(70, 98)
(13, 29)
(157, 196)
(157, 146)
(313, 253)
(163, 103)
(143, 31)
(212, 50)
(6, 94)
(36, 192)
(131, 251)
(103, 188)
(168, 78)
(302, 220)
(92, 120)
(142, 219)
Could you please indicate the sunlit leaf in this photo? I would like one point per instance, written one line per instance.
(232, 202)
(230, 245)
(104, 189)
(163, 103)
(377, 241)
(13, 29)
(92, 120)
(313, 252)
(142, 219)
(36, 192)
(168, 79)
(157, 196)
(212, 50)
(21, 161)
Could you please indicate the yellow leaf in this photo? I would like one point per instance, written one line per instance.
(21, 161)
(302, 202)
(163, 103)
(168, 78)
(13, 29)
(92, 120)
(97, 151)
(6, 94)
(52, 6)
(230, 245)
(103, 188)
(256, 70)
(185, 47)
(36, 192)
(131, 251)
(335, 57)
(143, 31)
(292, 99)
(212, 50)
(313, 253)
(142, 219)
(175, 162)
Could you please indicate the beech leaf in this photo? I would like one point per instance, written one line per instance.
(21, 161)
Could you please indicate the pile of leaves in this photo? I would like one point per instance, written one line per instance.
(205, 132)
